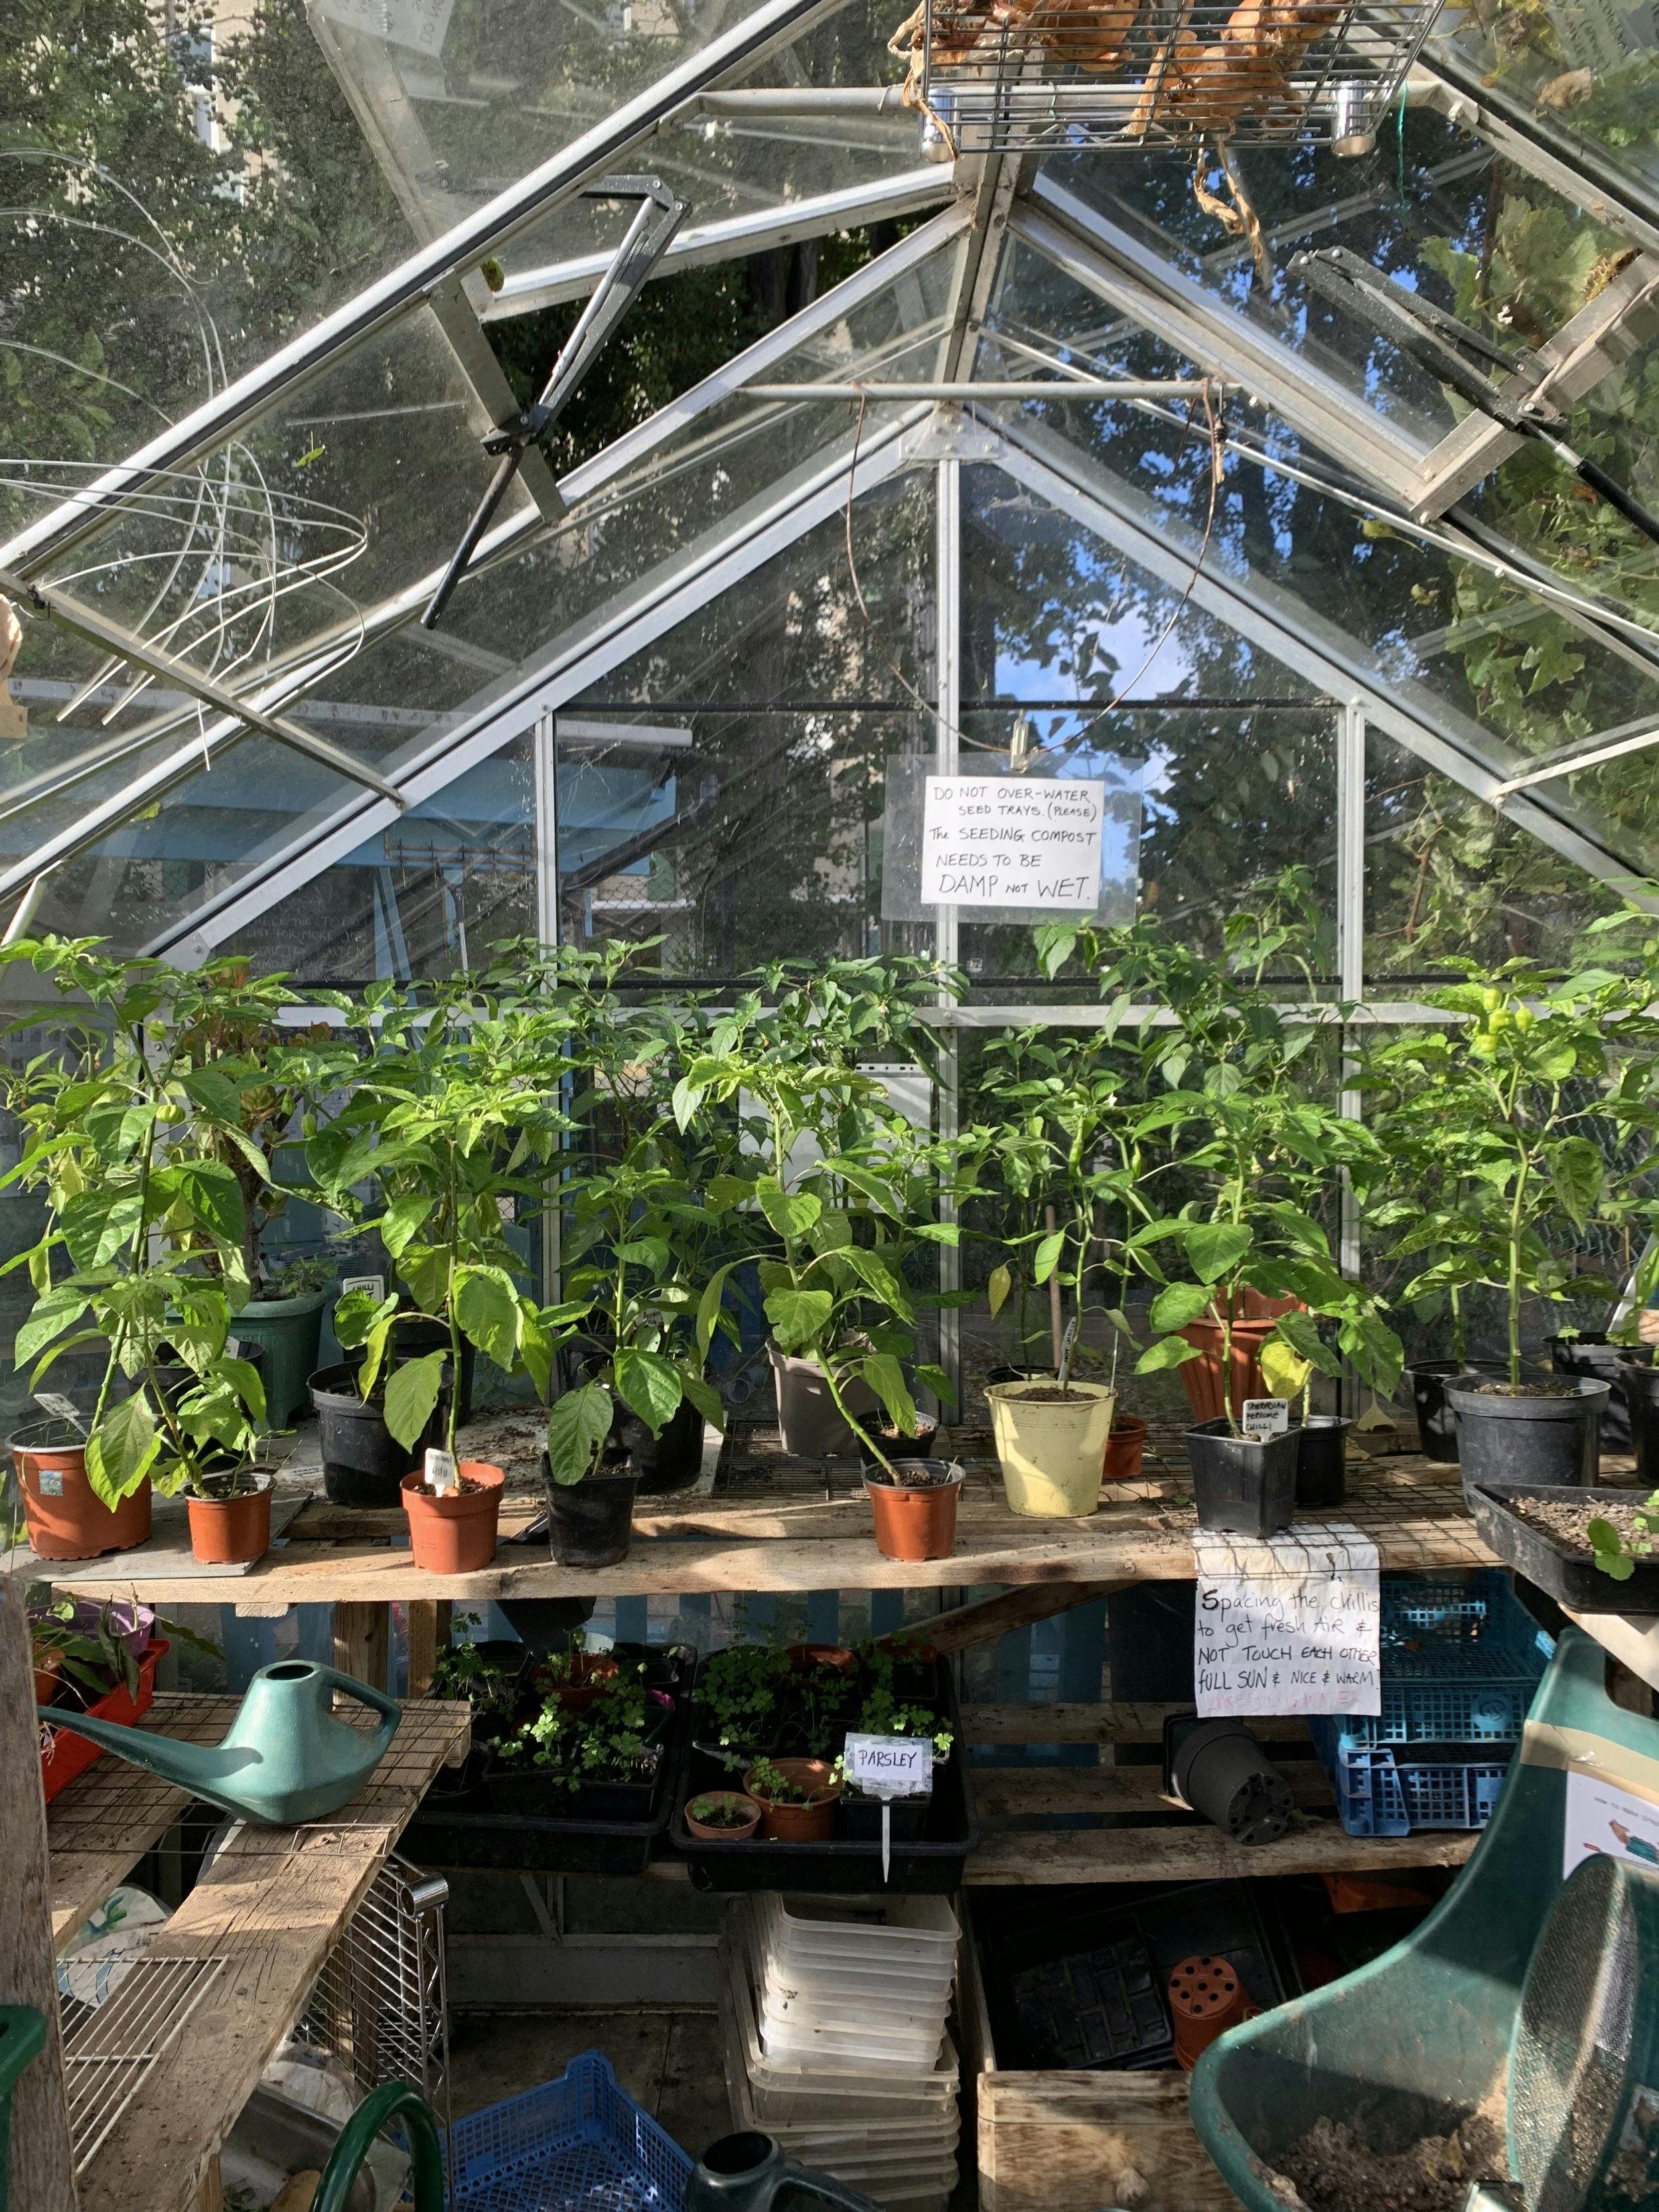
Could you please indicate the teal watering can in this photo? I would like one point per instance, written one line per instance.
(286, 1757)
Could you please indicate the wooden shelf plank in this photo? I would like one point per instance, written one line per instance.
(269, 1906)
(775, 1524)
(1003, 1791)
(1108, 1723)
(1199, 1853)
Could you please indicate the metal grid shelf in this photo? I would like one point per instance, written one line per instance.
(1139, 75)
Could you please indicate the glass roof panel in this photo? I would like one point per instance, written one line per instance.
(362, 483)
(507, 83)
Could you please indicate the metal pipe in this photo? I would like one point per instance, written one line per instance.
(1593, 758)
(1030, 388)
(114, 639)
(27, 908)
(806, 99)
(776, 23)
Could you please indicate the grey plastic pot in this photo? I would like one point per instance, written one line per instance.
(1553, 1442)
(809, 1420)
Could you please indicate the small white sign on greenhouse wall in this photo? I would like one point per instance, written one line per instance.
(1012, 841)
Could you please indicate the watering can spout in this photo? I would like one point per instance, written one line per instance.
(285, 1758)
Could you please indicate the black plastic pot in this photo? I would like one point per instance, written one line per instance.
(1590, 1353)
(1322, 1459)
(414, 1335)
(1638, 1385)
(363, 1464)
(1567, 1574)
(908, 1823)
(590, 1522)
(1243, 1486)
(1220, 1770)
(173, 1379)
(1545, 1441)
(1436, 1425)
(672, 1460)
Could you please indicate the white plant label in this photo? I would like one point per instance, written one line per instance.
(890, 1765)
(61, 1409)
(423, 25)
(1266, 1417)
(1291, 1625)
(440, 1474)
(374, 1285)
(1012, 841)
(1603, 1817)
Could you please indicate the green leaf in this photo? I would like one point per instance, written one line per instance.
(244, 1378)
(997, 1288)
(709, 1307)
(1047, 1256)
(792, 1213)
(1178, 1303)
(486, 1310)
(878, 1278)
(1168, 1352)
(404, 1216)
(426, 1271)
(886, 1378)
(98, 1224)
(411, 1393)
(1299, 1333)
(576, 1428)
(705, 1399)
(1215, 1248)
(936, 1380)
(650, 1384)
(798, 1316)
(60, 1308)
(1575, 1172)
(122, 1448)
(215, 1197)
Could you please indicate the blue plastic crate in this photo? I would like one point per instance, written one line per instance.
(1460, 1663)
(577, 2142)
(1387, 1792)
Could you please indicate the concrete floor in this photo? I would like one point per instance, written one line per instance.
(668, 2061)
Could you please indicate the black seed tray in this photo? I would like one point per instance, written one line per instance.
(1571, 1577)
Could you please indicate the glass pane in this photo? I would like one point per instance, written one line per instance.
(362, 485)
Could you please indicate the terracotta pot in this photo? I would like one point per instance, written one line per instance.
(1206, 1999)
(799, 1823)
(66, 1520)
(591, 1673)
(707, 1832)
(455, 1534)
(229, 1532)
(1124, 1448)
(46, 1676)
(918, 1523)
(803, 1657)
(1253, 1325)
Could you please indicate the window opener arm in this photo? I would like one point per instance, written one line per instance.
(1439, 344)
(660, 214)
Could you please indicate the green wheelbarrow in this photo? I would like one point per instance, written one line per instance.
(1413, 2043)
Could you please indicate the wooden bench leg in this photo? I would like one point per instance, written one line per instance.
(428, 1638)
(363, 1643)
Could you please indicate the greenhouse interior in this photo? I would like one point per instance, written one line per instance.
(829, 1115)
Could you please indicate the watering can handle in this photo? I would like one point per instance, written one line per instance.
(824, 2187)
(390, 1711)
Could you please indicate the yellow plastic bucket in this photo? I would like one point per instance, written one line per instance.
(1052, 1456)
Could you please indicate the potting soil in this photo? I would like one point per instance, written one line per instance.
(1332, 2169)
(1566, 1519)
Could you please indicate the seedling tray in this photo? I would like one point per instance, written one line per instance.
(929, 1864)
(603, 1828)
(1571, 1577)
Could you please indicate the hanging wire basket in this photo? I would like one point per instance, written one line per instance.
(1145, 75)
(380, 2003)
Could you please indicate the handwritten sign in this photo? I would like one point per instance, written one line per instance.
(1291, 1625)
(890, 1765)
(1012, 841)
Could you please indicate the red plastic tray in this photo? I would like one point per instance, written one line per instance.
(71, 1754)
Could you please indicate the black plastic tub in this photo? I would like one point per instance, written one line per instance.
(1571, 1577)
(1547, 1442)
(1243, 1486)
(1590, 1353)
(363, 1464)
(590, 1524)
(1437, 1423)
(929, 1864)
(1321, 1461)
(862, 1815)
(1638, 1387)
(519, 1824)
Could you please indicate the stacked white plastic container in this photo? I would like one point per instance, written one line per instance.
(833, 2013)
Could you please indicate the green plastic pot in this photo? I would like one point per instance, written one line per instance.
(289, 1330)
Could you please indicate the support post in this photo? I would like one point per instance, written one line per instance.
(429, 1622)
(42, 2177)
(363, 1643)
(1349, 962)
(947, 703)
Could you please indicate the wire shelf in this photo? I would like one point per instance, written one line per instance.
(380, 2003)
(1141, 75)
(110, 2049)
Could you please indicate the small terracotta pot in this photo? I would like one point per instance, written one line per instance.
(46, 1676)
(706, 1831)
(455, 1534)
(1124, 1448)
(803, 1657)
(229, 1532)
(1206, 1999)
(799, 1823)
(66, 1518)
(916, 1523)
(1253, 1324)
(592, 1674)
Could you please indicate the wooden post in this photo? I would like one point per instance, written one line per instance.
(429, 1639)
(42, 2174)
(363, 1643)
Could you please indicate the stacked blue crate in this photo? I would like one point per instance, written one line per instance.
(1460, 1661)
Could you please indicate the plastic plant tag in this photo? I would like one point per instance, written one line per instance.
(61, 1409)
(440, 1473)
(890, 1765)
(233, 1348)
(1266, 1417)
(374, 1285)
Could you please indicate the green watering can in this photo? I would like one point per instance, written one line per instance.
(286, 1759)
